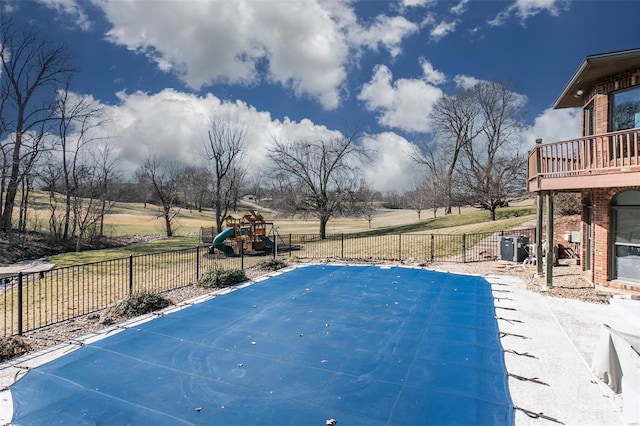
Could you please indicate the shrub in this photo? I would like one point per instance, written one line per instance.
(271, 264)
(222, 278)
(11, 347)
(139, 304)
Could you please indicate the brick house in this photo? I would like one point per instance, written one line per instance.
(603, 166)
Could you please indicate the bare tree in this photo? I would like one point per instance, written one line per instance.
(567, 203)
(32, 68)
(197, 186)
(422, 196)
(492, 170)
(76, 116)
(107, 172)
(86, 202)
(393, 200)
(363, 202)
(455, 121)
(50, 174)
(318, 174)
(225, 150)
(162, 179)
(27, 164)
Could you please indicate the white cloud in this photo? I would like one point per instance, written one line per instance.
(403, 104)
(391, 166)
(416, 3)
(174, 125)
(442, 29)
(72, 9)
(554, 125)
(295, 44)
(460, 8)
(429, 19)
(528, 8)
(305, 46)
(465, 81)
(525, 9)
(388, 31)
(431, 75)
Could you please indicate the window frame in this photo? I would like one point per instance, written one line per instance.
(612, 106)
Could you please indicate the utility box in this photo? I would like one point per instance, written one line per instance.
(514, 248)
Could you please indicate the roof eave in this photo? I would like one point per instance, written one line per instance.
(568, 98)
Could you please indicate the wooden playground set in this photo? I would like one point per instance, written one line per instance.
(241, 235)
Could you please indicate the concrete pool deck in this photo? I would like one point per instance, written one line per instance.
(562, 335)
(556, 340)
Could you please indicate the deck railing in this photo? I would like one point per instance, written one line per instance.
(589, 155)
(30, 301)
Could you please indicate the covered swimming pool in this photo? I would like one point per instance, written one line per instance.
(364, 345)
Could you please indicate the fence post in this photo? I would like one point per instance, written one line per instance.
(399, 246)
(464, 248)
(130, 274)
(274, 251)
(242, 254)
(198, 263)
(342, 246)
(432, 247)
(290, 248)
(20, 311)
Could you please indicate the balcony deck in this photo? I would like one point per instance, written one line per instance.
(597, 161)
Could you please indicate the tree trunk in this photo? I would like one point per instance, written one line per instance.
(67, 215)
(22, 224)
(218, 218)
(103, 208)
(167, 222)
(12, 187)
(323, 228)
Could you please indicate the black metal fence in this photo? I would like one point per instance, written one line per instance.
(462, 248)
(29, 301)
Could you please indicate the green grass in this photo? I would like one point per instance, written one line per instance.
(155, 246)
(473, 222)
(516, 216)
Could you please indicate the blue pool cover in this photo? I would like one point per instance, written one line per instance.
(364, 345)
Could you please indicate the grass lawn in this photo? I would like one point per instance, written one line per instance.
(388, 222)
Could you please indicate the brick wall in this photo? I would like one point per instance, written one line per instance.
(601, 223)
(601, 197)
(562, 226)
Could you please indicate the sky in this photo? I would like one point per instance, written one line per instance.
(290, 70)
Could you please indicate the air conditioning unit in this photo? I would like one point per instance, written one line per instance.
(514, 248)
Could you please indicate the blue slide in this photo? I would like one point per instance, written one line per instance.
(218, 241)
(267, 241)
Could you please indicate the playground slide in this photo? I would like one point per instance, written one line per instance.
(218, 241)
(267, 241)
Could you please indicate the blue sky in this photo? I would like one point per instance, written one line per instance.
(292, 69)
